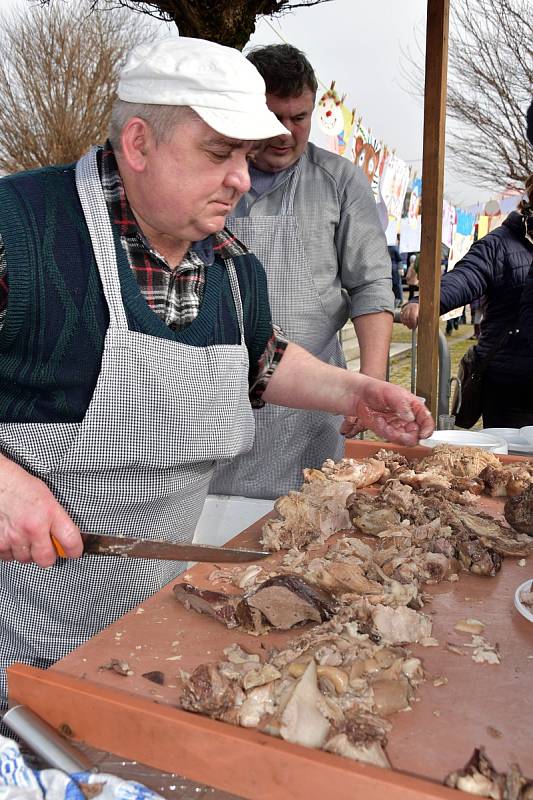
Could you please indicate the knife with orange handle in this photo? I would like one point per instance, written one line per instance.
(131, 547)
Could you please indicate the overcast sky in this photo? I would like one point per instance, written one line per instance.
(359, 45)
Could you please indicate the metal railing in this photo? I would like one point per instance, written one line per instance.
(445, 369)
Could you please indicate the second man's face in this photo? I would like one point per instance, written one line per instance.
(295, 114)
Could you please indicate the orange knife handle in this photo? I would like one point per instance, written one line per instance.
(57, 546)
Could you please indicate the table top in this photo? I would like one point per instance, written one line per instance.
(476, 705)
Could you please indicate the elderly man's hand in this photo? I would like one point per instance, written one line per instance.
(29, 515)
(393, 413)
(409, 315)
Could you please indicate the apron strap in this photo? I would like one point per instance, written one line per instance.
(287, 201)
(234, 283)
(94, 207)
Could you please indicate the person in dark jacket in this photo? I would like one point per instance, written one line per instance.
(526, 306)
(497, 266)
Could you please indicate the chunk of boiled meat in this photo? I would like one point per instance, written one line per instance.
(216, 604)
(397, 625)
(285, 601)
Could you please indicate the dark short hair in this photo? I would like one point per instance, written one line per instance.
(285, 69)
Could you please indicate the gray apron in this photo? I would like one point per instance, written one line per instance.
(286, 440)
(139, 464)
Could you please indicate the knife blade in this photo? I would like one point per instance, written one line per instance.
(132, 547)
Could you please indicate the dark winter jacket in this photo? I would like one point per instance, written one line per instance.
(496, 266)
(526, 306)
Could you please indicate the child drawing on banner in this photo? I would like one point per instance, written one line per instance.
(414, 202)
(343, 138)
(330, 116)
(366, 154)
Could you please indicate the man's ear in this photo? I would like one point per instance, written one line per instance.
(136, 139)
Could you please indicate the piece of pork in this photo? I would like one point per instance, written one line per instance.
(340, 577)
(480, 777)
(476, 557)
(458, 461)
(507, 480)
(361, 737)
(208, 692)
(399, 625)
(311, 515)
(358, 473)
(370, 516)
(302, 721)
(285, 601)
(518, 512)
(216, 604)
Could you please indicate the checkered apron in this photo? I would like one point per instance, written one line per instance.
(139, 464)
(286, 440)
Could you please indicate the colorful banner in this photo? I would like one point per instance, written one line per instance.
(482, 226)
(413, 213)
(393, 184)
(330, 116)
(367, 154)
(410, 235)
(387, 174)
(448, 222)
(460, 246)
(465, 223)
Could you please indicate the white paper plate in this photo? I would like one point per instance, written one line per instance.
(527, 433)
(521, 446)
(467, 439)
(519, 604)
(502, 433)
(516, 443)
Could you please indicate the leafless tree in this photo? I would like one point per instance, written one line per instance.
(229, 22)
(490, 79)
(490, 88)
(58, 75)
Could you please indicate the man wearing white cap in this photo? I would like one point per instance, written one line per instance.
(135, 335)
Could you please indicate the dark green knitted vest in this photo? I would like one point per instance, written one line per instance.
(52, 341)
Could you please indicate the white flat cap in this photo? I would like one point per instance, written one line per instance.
(217, 82)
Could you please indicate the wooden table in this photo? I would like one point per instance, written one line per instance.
(481, 704)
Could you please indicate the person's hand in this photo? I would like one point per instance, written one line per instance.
(409, 315)
(351, 426)
(392, 413)
(29, 515)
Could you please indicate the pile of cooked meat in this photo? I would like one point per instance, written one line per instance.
(337, 683)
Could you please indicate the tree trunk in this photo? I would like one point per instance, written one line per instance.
(228, 22)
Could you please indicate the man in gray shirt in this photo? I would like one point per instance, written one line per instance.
(311, 219)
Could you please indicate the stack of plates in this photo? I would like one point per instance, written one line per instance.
(482, 439)
(524, 610)
(519, 440)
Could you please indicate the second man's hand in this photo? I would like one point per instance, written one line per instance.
(409, 315)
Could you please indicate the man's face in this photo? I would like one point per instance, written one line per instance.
(295, 114)
(188, 185)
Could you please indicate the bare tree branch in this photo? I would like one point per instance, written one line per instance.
(229, 22)
(490, 79)
(58, 76)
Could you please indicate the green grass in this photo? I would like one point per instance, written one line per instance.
(400, 368)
